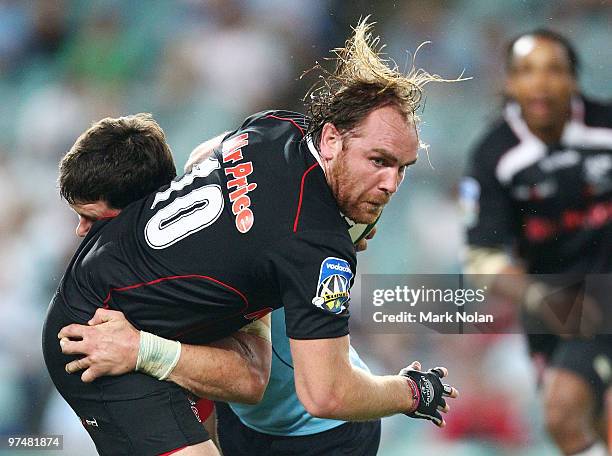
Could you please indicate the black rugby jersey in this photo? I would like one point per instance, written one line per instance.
(555, 200)
(253, 228)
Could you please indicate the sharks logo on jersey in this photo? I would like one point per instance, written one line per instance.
(334, 285)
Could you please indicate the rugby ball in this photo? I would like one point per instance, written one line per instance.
(358, 231)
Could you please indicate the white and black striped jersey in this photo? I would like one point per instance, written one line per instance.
(554, 202)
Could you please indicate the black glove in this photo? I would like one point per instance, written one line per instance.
(427, 393)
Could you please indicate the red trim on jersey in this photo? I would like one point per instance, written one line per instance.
(287, 120)
(299, 208)
(190, 276)
(258, 313)
(205, 408)
(163, 279)
(173, 451)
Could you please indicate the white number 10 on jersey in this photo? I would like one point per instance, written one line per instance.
(187, 214)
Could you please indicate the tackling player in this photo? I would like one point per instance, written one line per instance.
(258, 225)
(541, 182)
(233, 368)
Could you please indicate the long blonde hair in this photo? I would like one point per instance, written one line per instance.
(363, 80)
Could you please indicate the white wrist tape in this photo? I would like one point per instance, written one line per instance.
(157, 356)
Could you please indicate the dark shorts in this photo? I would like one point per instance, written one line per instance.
(355, 439)
(591, 359)
(132, 414)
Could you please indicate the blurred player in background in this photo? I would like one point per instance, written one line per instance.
(364, 110)
(539, 189)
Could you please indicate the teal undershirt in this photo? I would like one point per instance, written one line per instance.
(280, 412)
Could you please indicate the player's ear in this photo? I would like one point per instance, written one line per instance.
(111, 212)
(331, 141)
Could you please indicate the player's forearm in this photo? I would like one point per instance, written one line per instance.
(235, 369)
(364, 396)
(330, 387)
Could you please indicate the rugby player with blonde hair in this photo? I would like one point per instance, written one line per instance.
(258, 224)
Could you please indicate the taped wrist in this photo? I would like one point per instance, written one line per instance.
(157, 356)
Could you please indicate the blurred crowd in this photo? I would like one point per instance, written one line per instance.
(200, 67)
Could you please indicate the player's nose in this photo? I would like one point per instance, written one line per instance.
(389, 182)
(83, 227)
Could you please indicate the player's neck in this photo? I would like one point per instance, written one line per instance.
(550, 135)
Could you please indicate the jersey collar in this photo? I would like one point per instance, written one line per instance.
(576, 133)
(512, 114)
(315, 153)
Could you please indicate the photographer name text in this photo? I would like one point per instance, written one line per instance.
(431, 317)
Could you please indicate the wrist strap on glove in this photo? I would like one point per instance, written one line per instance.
(427, 393)
(416, 395)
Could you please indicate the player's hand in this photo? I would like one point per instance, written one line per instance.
(110, 345)
(363, 243)
(430, 392)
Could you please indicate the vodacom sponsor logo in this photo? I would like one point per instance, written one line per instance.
(338, 267)
(238, 183)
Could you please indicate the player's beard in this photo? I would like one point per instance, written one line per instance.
(345, 186)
